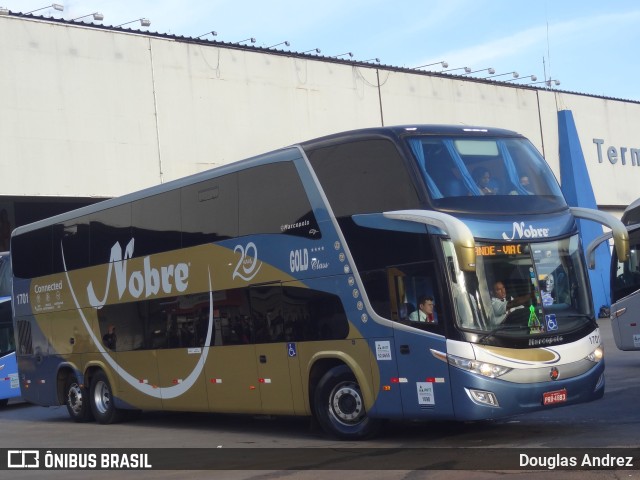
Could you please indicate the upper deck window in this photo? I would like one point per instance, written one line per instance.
(488, 168)
(366, 176)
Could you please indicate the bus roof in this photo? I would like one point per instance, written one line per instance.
(284, 154)
(401, 130)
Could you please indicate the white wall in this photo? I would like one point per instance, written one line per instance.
(90, 112)
(617, 124)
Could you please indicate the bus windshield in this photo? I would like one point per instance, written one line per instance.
(488, 168)
(521, 290)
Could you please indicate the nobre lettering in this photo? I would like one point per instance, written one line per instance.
(521, 231)
(148, 281)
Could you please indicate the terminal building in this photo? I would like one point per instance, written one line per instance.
(90, 112)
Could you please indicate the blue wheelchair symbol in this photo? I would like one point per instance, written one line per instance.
(291, 349)
(551, 322)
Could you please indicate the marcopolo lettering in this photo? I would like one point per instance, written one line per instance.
(614, 154)
(148, 281)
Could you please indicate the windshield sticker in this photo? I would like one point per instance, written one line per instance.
(534, 324)
(551, 322)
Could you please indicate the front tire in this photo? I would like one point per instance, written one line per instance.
(339, 406)
(77, 400)
(102, 405)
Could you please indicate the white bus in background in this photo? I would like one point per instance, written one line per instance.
(625, 283)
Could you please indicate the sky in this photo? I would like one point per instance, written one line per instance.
(589, 46)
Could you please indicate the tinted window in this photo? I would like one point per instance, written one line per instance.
(25, 340)
(313, 315)
(210, 210)
(273, 200)
(626, 275)
(6, 279)
(7, 342)
(364, 177)
(109, 227)
(266, 314)
(74, 238)
(232, 317)
(156, 223)
(174, 322)
(32, 253)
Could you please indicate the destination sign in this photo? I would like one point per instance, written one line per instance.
(494, 250)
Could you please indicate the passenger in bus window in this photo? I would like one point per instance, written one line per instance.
(425, 310)
(482, 177)
(547, 293)
(502, 304)
(110, 338)
(525, 183)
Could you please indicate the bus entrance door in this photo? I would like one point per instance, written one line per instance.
(276, 359)
(231, 372)
(274, 378)
(423, 379)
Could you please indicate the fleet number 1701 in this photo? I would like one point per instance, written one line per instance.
(22, 298)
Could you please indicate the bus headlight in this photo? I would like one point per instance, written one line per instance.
(596, 355)
(481, 368)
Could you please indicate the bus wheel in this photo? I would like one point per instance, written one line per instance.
(4, 402)
(339, 406)
(102, 405)
(77, 400)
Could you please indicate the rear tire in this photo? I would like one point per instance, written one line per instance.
(339, 406)
(102, 401)
(77, 400)
(4, 402)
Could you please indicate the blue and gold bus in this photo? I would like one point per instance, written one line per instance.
(350, 278)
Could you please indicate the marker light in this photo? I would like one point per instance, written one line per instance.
(481, 368)
(597, 355)
(482, 397)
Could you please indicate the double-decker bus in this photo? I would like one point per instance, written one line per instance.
(625, 283)
(349, 277)
(9, 384)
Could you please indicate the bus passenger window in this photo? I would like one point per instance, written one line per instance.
(231, 316)
(404, 293)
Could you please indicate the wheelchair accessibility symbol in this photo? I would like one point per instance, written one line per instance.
(552, 323)
(291, 349)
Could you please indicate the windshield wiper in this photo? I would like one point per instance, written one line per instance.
(500, 328)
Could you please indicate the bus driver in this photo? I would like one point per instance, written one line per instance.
(502, 305)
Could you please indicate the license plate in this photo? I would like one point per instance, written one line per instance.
(557, 396)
